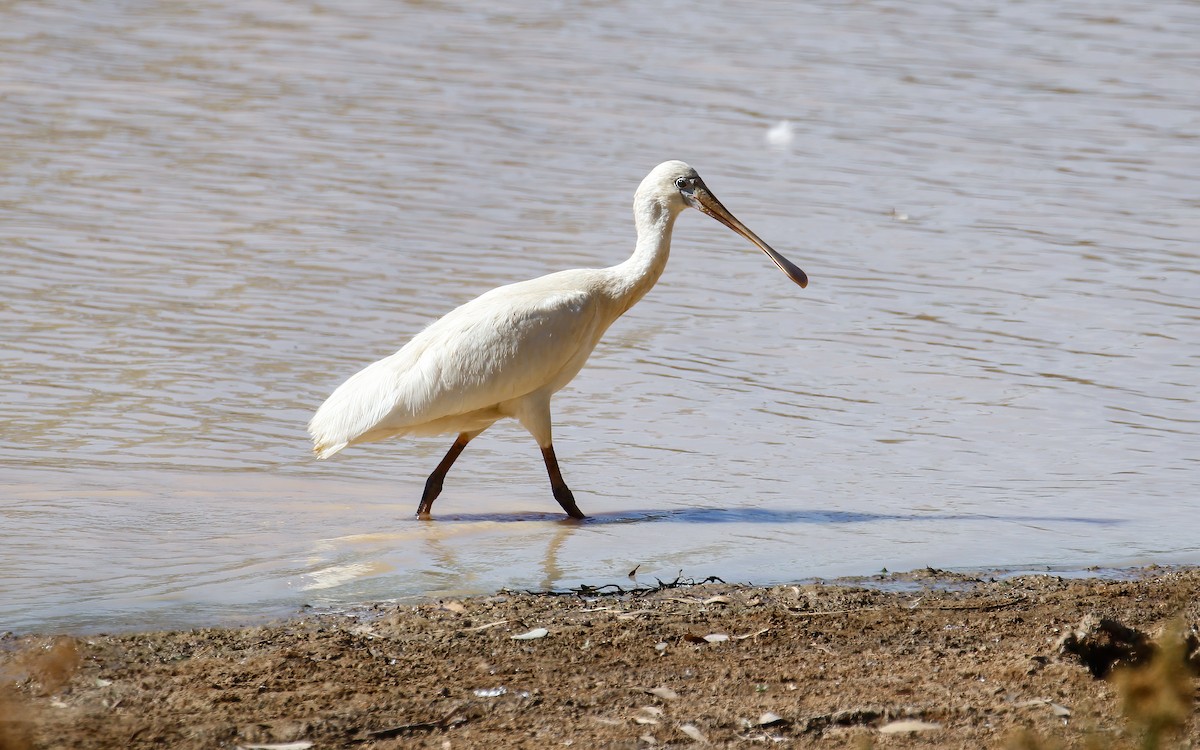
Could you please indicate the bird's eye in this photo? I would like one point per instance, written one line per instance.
(681, 183)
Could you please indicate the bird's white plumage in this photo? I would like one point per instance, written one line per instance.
(508, 343)
(504, 353)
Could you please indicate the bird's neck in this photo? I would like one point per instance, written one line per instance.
(633, 278)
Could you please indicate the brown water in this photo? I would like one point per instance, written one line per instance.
(212, 213)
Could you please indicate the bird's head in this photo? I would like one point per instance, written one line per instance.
(678, 186)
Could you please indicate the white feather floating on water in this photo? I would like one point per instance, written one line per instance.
(781, 134)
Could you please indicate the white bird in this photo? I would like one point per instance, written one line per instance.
(505, 353)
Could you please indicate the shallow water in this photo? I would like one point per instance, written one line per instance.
(212, 214)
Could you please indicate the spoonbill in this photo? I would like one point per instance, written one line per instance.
(506, 352)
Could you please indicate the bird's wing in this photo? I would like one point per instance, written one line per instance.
(500, 346)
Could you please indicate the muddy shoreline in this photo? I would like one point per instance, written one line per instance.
(925, 659)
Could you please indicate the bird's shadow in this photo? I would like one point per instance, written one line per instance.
(760, 515)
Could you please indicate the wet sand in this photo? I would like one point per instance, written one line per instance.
(925, 659)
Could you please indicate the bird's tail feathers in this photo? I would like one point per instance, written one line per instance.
(324, 451)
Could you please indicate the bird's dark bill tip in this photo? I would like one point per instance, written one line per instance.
(793, 271)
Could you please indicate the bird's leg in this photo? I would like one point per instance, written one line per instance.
(433, 485)
(534, 415)
(562, 493)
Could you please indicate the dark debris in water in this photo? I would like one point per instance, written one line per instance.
(616, 589)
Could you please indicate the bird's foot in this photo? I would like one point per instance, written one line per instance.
(567, 500)
(433, 488)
